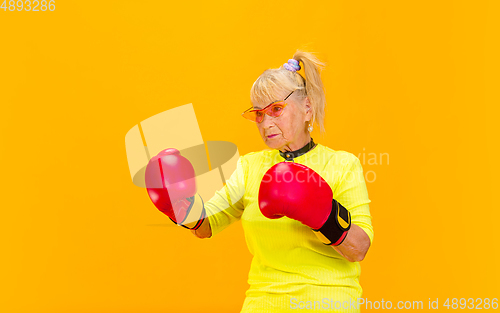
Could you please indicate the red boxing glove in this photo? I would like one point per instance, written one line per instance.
(296, 191)
(171, 185)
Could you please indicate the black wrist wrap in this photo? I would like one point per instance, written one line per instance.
(336, 226)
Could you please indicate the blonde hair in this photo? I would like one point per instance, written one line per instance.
(281, 80)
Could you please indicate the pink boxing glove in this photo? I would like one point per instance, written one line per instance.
(171, 186)
(298, 192)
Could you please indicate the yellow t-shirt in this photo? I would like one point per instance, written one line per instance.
(291, 268)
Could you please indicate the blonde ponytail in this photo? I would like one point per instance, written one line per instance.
(314, 85)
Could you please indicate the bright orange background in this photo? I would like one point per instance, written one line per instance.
(416, 80)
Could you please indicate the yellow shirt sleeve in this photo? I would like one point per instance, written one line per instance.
(226, 206)
(353, 195)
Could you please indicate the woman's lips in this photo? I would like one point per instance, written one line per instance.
(272, 136)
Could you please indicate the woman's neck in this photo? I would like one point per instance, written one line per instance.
(294, 146)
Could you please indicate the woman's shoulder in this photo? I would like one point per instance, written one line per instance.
(259, 156)
(337, 156)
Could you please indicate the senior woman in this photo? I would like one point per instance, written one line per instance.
(307, 236)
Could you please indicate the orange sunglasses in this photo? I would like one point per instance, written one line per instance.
(275, 109)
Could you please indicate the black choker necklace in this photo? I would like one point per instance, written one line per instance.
(290, 155)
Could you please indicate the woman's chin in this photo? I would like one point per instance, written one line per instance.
(273, 143)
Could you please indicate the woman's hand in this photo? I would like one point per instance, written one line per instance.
(298, 192)
(171, 185)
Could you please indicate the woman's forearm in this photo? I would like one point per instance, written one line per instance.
(355, 245)
(204, 231)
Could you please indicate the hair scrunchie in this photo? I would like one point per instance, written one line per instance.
(292, 65)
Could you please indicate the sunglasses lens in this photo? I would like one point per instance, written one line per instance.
(254, 116)
(257, 116)
(276, 110)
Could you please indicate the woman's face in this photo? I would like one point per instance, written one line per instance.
(289, 130)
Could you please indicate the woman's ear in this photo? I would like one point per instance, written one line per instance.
(309, 109)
